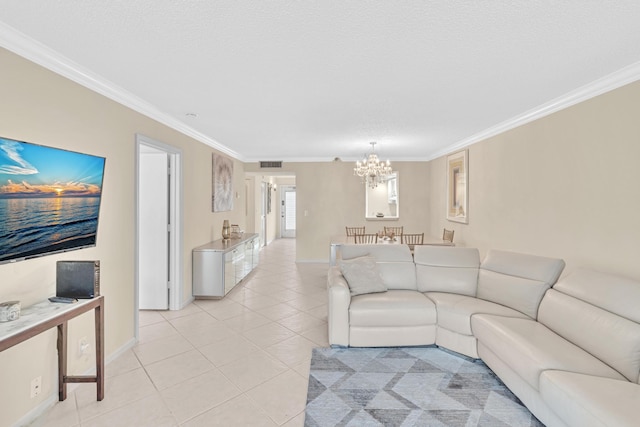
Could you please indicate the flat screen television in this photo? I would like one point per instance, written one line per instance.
(49, 200)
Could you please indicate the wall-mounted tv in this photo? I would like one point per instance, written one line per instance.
(49, 200)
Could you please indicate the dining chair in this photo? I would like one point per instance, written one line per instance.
(447, 235)
(352, 231)
(366, 238)
(412, 239)
(397, 231)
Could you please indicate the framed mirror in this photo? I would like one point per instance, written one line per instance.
(383, 202)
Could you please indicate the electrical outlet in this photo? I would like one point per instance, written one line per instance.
(83, 346)
(36, 386)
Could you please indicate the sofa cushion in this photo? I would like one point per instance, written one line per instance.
(611, 338)
(395, 263)
(529, 348)
(585, 400)
(362, 275)
(455, 311)
(616, 294)
(517, 280)
(398, 275)
(447, 269)
(392, 308)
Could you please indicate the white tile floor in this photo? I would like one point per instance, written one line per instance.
(239, 361)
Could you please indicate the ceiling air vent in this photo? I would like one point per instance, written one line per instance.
(271, 164)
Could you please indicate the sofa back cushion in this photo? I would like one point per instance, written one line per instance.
(595, 311)
(447, 269)
(394, 261)
(616, 294)
(518, 281)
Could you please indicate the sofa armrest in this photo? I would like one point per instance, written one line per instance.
(339, 298)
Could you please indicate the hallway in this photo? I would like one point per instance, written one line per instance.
(239, 361)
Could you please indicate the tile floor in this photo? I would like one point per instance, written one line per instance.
(239, 361)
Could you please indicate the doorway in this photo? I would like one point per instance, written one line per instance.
(288, 211)
(158, 226)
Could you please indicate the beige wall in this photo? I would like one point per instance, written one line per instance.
(333, 198)
(564, 186)
(41, 107)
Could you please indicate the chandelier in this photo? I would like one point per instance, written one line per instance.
(371, 170)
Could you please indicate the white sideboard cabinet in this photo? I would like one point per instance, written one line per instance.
(220, 265)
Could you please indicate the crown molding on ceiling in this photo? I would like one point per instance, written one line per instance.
(36, 52)
(622, 77)
(40, 54)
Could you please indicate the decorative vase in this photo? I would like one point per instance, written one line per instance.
(226, 230)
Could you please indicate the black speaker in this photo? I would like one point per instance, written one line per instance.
(78, 279)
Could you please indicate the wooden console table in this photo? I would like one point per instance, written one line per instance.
(45, 315)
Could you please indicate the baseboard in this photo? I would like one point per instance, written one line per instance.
(187, 302)
(36, 412)
(50, 401)
(119, 352)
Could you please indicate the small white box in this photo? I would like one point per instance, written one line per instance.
(9, 310)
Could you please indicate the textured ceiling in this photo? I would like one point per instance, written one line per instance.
(314, 80)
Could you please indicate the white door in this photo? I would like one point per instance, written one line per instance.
(288, 211)
(153, 229)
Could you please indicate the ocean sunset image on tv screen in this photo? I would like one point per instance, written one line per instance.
(49, 199)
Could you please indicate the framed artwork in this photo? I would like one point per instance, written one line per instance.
(458, 187)
(222, 194)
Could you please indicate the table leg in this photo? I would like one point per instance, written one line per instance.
(62, 361)
(99, 332)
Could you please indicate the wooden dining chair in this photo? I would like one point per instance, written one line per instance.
(366, 238)
(397, 231)
(352, 231)
(447, 235)
(412, 239)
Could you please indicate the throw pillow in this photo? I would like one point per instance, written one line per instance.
(362, 275)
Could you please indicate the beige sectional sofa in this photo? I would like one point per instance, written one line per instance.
(569, 350)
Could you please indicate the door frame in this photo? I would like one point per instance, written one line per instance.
(176, 268)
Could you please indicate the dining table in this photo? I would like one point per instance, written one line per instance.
(337, 241)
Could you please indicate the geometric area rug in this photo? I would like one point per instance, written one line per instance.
(408, 386)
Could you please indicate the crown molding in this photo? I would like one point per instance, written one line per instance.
(624, 76)
(20, 44)
(615, 80)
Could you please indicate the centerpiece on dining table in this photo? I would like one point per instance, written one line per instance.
(390, 236)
